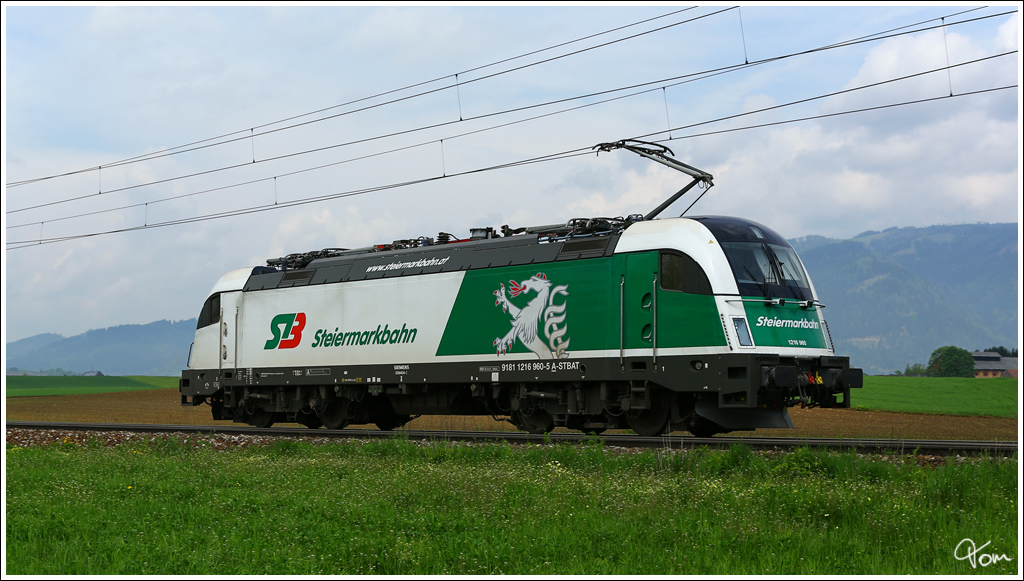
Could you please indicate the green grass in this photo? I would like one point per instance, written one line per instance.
(22, 385)
(939, 395)
(395, 507)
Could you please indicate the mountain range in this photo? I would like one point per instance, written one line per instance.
(159, 348)
(895, 296)
(892, 297)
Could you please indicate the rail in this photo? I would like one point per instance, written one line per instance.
(668, 441)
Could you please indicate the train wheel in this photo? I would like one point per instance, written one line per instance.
(538, 422)
(262, 418)
(308, 419)
(649, 422)
(334, 415)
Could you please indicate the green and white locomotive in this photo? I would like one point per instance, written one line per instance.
(705, 324)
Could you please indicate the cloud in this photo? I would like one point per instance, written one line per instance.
(643, 192)
(1008, 34)
(909, 55)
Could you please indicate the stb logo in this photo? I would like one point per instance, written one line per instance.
(541, 313)
(288, 338)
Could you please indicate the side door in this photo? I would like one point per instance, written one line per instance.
(229, 317)
(639, 306)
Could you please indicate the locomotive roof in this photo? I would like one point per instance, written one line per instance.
(467, 255)
(515, 250)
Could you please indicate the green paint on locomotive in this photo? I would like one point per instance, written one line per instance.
(553, 309)
(788, 325)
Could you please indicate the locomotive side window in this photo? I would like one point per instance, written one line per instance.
(210, 313)
(679, 272)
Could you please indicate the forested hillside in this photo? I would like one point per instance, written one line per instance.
(159, 348)
(895, 296)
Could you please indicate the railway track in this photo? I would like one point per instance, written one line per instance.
(880, 446)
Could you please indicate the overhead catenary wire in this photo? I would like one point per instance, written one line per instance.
(832, 94)
(836, 114)
(305, 201)
(181, 148)
(421, 144)
(550, 157)
(663, 82)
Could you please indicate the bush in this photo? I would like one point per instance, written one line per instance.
(951, 361)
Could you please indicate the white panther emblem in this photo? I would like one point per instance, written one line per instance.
(540, 313)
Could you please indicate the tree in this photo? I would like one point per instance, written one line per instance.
(1002, 351)
(951, 361)
(916, 369)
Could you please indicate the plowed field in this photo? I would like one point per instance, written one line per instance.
(160, 406)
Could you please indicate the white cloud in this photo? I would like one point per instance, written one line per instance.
(1008, 35)
(643, 193)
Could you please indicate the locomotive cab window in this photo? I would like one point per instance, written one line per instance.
(210, 313)
(679, 272)
(757, 267)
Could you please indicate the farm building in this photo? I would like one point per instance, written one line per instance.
(991, 364)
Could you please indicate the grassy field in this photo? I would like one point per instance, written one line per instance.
(995, 397)
(25, 385)
(402, 508)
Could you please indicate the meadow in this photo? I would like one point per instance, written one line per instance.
(995, 397)
(25, 385)
(399, 507)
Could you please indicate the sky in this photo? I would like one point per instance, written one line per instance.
(255, 132)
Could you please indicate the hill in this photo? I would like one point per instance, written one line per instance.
(895, 296)
(30, 344)
(159, 348)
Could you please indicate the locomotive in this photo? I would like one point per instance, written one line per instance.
(707, 324)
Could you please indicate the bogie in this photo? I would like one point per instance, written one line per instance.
(261, 418)
(536, 421)
(335, 413)
(652, 421)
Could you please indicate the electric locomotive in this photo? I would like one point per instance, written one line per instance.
(707, 324)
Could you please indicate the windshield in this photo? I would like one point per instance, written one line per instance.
(790, 269)
(768, 270)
